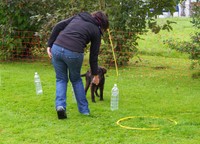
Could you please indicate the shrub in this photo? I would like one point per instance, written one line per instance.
(192, 48)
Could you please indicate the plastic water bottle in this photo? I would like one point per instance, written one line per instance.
(114, 98)
(38, 85)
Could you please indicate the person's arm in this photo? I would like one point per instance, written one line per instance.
(49, 52)
(94, 52)
(57, 29)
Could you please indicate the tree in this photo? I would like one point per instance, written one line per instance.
(128, 18)
(18, 15)
(36, 16)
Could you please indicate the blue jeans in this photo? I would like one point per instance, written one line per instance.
(67, 65)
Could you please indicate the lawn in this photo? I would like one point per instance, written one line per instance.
(156, 90)
(152, 44)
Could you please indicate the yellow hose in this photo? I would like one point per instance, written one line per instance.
(116, 67)
(135, 128)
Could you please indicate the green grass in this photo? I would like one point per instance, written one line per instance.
(160, 86)
(157, 86)
(152, 44)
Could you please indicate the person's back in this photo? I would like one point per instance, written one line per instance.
(79, 32)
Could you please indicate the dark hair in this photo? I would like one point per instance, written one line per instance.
(102, 19)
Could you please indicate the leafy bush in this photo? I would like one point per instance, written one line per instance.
(18, 45)
(192, 48)
(23, 16)
(196, 15)
(129, 19)
(124, 15)
(124, 48)
(10, 47)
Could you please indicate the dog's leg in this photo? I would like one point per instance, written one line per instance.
(101, 92)
(96, 91)
(87, 85)
(92, 88)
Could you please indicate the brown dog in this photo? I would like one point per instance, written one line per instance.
(88, 78)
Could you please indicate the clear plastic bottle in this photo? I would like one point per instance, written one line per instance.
(38, 85)
(114, 98)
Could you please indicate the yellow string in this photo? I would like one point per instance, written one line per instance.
(113, 52)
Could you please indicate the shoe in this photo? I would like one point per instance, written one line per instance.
(86, 114)
(61, 112)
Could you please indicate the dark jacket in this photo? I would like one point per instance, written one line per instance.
(75, 33)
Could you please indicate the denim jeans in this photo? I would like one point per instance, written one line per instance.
(67, 65)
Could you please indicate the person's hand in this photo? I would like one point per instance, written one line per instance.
(95, 80)
(49, 52)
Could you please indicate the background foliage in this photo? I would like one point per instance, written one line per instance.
(191, 47)
(124, 15)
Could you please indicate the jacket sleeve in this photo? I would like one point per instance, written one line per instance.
(94, 52)
(57, 29)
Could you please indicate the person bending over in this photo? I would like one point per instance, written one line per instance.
(66, 46)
